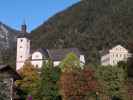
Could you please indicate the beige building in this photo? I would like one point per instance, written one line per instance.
(114, 55)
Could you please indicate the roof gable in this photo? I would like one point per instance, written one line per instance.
(7, 69)
(119, 48)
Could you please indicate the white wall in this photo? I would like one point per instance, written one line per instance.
(82, 60)
(115, 55)
(105, 60)
(37, 59)
(56, 63)
(23, 52)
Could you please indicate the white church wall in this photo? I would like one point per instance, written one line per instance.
(23, 52)
(37, 59)
(19, 65)
(56, 63)
(82, 60)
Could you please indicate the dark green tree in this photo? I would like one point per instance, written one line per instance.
(112, 81)
(49, 82)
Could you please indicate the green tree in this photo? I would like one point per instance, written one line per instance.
(30, 82)
(112, 81)
(49, 82)
(71, 62)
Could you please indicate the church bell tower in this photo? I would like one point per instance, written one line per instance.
(24, 27)
(23, 48)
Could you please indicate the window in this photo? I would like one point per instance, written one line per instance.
(125, 55)
(37, 66)
(20, 56)
(37, 56)
(21, 40)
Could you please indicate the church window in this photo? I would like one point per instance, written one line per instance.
(36, 65)
(21, 40)
(37, 56)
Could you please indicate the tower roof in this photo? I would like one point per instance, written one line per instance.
(23, 32)
(24, 35)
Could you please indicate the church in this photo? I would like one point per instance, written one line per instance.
(40, 55)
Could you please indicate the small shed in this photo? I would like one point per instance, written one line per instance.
(7, 78)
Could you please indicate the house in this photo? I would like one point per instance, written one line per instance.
(114, 55)
(38, 56)
(56, 55)
(8, 76)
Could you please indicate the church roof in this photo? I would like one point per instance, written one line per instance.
(43, 51)
(59, 54)
(22, 35)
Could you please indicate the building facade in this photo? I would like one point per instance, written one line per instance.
(114, 55)
(56, 55)
(40, 55)
(8, 76)
(23, 51)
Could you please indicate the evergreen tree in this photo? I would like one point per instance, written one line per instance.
(112, 81)
(49, 82)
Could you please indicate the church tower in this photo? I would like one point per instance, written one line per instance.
(24, 27)
(23, 48)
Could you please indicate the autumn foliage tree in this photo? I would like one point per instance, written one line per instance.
(30, 80)
(75, 83)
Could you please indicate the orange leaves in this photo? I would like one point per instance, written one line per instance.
(77, 83)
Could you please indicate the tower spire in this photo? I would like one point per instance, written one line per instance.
(24, 27)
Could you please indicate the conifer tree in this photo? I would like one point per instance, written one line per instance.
(112, 81)
(49, 82)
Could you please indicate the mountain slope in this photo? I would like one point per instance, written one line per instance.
(8, 37)
(91, 25)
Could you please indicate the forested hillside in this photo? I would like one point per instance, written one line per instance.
(91, 25)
